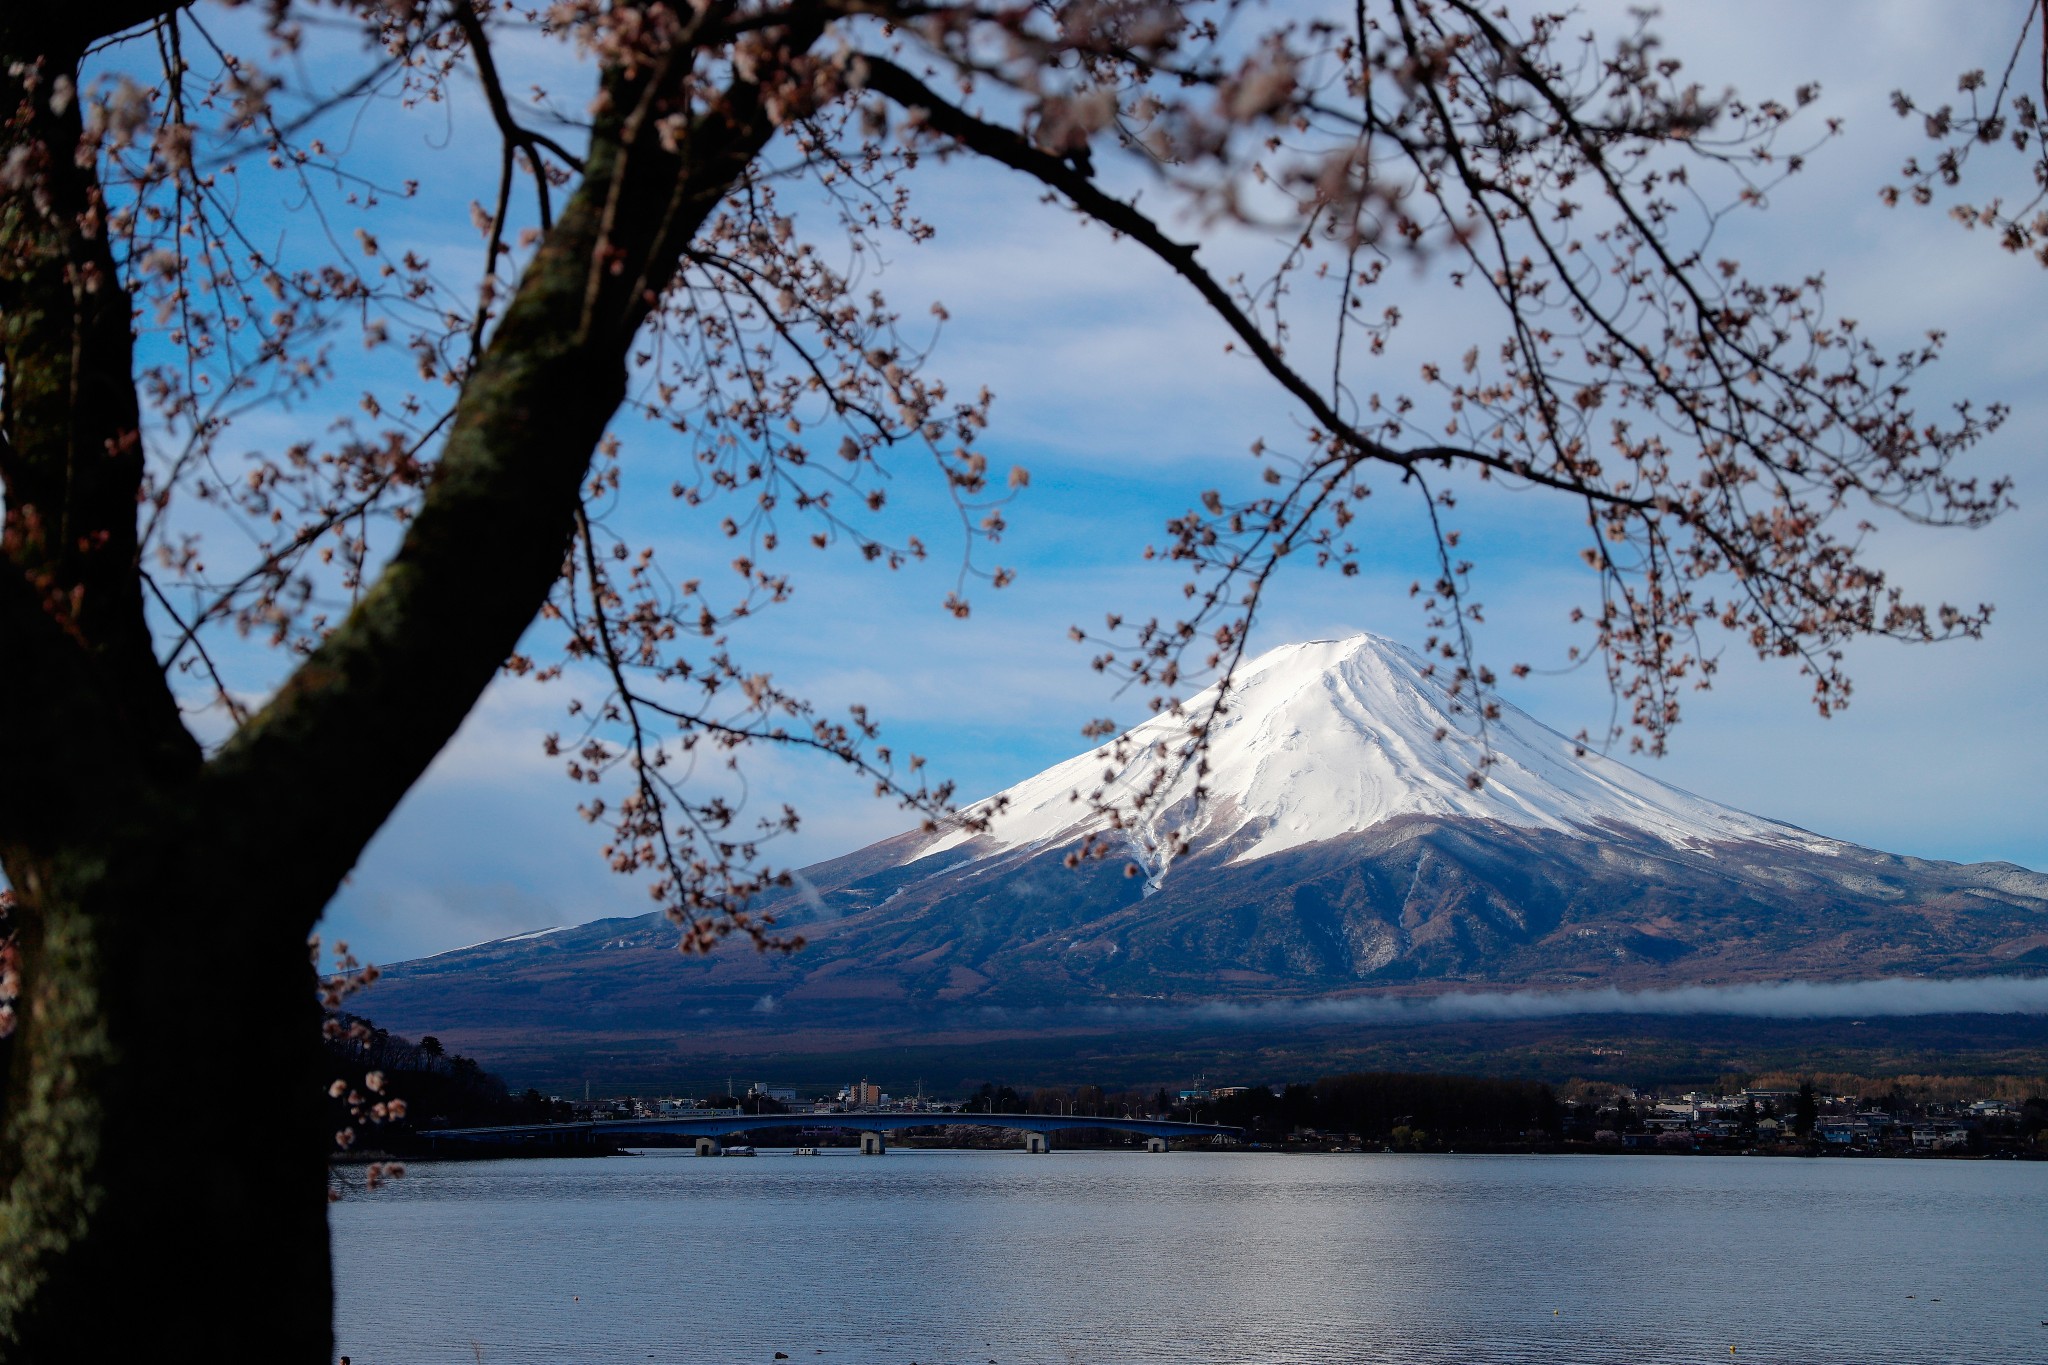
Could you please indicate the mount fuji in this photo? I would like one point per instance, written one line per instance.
(1335, 737)
(1340, 851)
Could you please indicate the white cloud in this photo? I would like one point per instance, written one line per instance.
(1887, 997)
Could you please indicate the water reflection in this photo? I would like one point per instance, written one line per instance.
(1110, 1257)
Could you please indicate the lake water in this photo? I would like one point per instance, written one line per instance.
(1095, 1258)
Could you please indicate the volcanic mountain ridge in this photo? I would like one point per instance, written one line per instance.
(1342, 852)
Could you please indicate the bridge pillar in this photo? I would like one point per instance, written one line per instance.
(1156, 1144)
(1035, 1144)
(709, 1147)
(873, 1144)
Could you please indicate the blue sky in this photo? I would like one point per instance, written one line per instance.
(1114, 390)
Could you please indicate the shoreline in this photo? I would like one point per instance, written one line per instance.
(346, 1160)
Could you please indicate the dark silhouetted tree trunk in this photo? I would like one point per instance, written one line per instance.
(166, 897)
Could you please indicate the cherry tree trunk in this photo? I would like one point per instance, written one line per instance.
(166, 893)
(166, 1125)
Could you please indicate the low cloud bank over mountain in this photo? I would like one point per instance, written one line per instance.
(1888, 998)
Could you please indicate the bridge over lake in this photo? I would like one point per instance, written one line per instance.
(710, 1128)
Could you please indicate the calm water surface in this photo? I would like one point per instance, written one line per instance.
(961, 1258)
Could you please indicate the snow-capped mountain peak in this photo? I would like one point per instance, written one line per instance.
(1332, 737)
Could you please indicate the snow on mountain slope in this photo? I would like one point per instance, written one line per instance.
(1331, 737)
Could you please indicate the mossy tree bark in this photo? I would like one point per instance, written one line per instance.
(165, 896)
